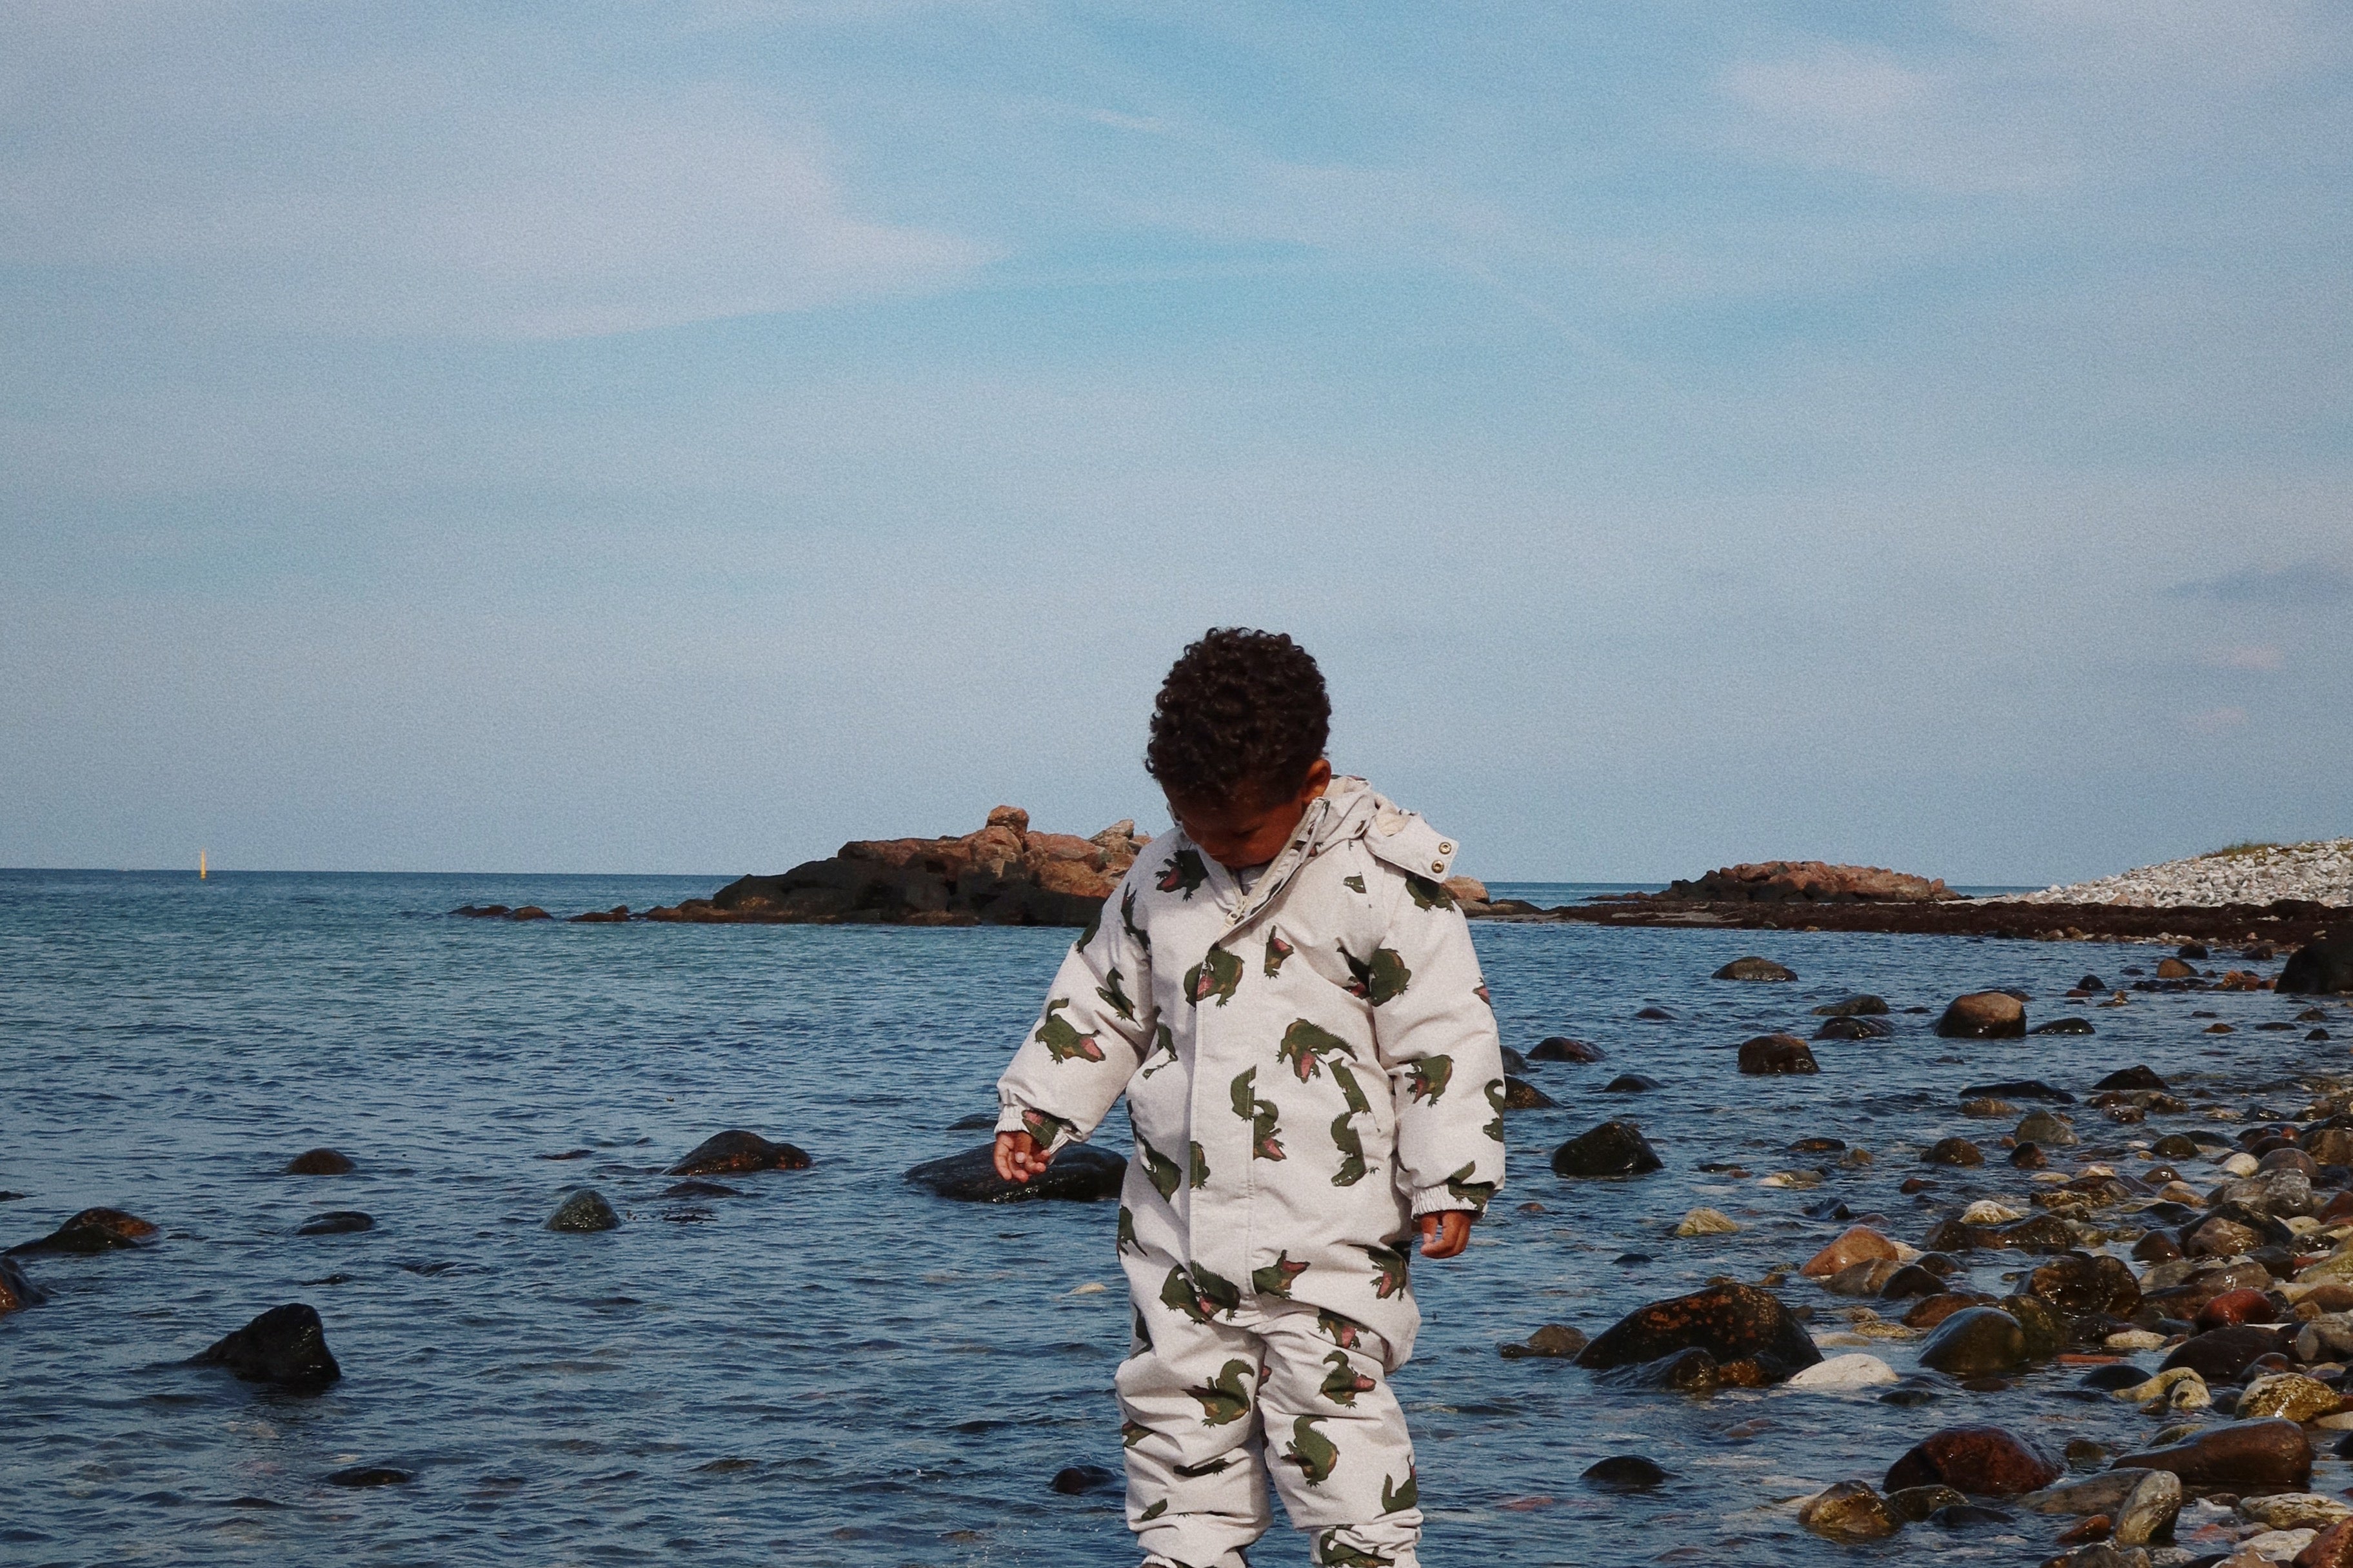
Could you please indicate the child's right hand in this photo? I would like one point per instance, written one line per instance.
(1018, 1158)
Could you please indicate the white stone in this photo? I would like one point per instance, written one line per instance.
(2321, 870)
(1844, 1372)
(2241, 1165)
(2277, 1545)
(2295, 1510)
(1985, 1211)
(2135, 1340)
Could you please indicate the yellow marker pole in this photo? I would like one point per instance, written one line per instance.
(200, 865)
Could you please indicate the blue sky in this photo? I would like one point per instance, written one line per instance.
(683, 436)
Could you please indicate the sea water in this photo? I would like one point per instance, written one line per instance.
(836, 1367)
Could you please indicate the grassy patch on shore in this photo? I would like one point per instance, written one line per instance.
(2244, 847)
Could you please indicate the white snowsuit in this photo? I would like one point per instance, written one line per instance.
(1309, 1067)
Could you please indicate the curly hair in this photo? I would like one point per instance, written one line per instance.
(1241, 709)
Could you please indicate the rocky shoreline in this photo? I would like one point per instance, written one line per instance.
(2320, 872)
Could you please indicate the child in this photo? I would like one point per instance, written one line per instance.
(1288, 996)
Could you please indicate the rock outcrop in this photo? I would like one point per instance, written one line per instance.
(1808, 882)
(1002, 874)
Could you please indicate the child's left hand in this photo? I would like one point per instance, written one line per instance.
(1446, 1232)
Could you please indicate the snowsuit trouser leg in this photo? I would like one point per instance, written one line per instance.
(1209, 1404)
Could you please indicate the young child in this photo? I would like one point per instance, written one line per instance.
(1288, 996)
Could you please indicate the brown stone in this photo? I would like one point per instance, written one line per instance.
(1985, 1462)
(94, 1230)
(1730, 1321)
(1984, 1015)
(1769, 1055)
(2238, 1307)
(320, 1163)
(1933, 1310)
(2332, 1548)
(1859, 1243)
(2250, 1458)
(2174, 969)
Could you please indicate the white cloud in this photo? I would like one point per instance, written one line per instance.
(434, 197)
(2028, 95)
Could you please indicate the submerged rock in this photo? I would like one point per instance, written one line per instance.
(1519, 1094)
(2081, 1282)
(17, 1291)
(1076, 1481)
(336, 1222)
(1984, 1015)
(285, 1345)
(1081, 1174)
(2018, 1088)
(1984, 1461)
(2147, 1511)
(2222, 1356)
(1857, 1244)
(1561, 1048)
(2064, 1027)
(370, 1476)
(320, 1163)
(1613, 1149)
(736, 1152)
(92, 1231)
(1553, 1342)
(1623, 1473)
(1845, 1371)
(1953, 1151)
(1861, 1004)
(1630, 1083)
(1731, 1322)
(2138, 1078)
(1754, 968)
(583, 1212)
(1844, 1028)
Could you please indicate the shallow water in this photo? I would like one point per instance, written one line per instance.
(835, 1368)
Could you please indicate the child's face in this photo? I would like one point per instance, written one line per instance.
(1250, 829)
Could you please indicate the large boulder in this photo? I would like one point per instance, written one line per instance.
(1731, 1322)
(1809, 881)
(1984, 1461)
(1080, 1173)
(736, 1151)
(2223, 1355)
(286, 1346)
(94, 1230)
(1984, 1015)
(2321, 968)
(1004, 874)
(2248, 1457)
(1613, 1149)
(320, 1163)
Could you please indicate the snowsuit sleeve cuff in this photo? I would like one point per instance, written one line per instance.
(1438, 1200)
(1051, 1131)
